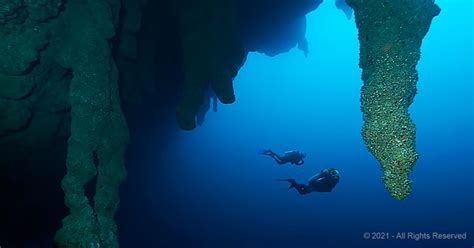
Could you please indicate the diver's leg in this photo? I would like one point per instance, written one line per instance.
(276, 157)
(301, 188)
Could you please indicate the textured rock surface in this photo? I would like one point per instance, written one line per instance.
(98, 130)
(33, 92)
(390, 36)
(12, 11)
(58, 80)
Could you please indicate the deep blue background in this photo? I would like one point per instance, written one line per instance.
(209, 188)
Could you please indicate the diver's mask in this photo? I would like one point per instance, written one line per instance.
(334, 173)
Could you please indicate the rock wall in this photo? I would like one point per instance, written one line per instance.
(58, 79)
(34, 107)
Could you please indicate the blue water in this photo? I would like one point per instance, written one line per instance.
(209, 188)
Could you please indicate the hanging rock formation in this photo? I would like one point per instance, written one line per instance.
(273, 27)
(216, 36)
(390, 36)
(212, 54)
(98, 130)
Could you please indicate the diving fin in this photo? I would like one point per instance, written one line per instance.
(290, 180)
(263, 151)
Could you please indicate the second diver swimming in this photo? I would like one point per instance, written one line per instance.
(324, 181)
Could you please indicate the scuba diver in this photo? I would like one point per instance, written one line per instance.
(293, 157)
(324, 181)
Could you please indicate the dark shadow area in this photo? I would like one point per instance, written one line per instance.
(32, 200)
(274, 27)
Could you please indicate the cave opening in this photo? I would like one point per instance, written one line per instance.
(190, 186)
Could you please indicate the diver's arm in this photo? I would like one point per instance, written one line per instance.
(300, 162)
(315, 177)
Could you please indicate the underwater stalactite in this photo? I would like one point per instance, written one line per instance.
(390, 36)
(212, 54)
(98, 130)
(273, 27)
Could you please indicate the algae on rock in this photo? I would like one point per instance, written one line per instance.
(390, 36)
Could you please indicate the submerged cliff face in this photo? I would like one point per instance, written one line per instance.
(34, 116)
(61, 94)
(34, 101)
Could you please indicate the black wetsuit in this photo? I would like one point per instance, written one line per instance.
(292, 157)
(322, 182)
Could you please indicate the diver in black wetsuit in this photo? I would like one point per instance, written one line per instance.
(324, 181)
(293, 157)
